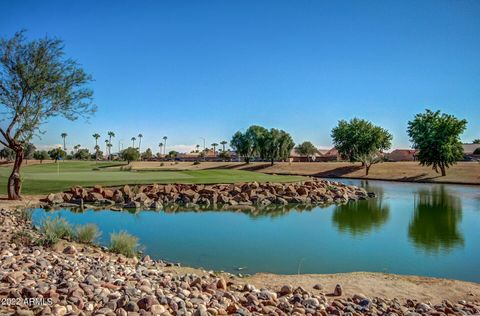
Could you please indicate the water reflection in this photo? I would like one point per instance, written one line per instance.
(434, 225)
(359, 218)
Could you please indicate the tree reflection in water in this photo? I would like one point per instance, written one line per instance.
(434, 224)
(359, 218)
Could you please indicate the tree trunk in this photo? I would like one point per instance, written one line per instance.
(14, 181)
(367, 169)
(442, 168)
(272, 162)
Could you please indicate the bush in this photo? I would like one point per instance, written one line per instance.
(162, 164)
(53, 230)
(124, 243)
(196, 162)
(87, 234)
(476, 151)
(24, 238)
(26, 215)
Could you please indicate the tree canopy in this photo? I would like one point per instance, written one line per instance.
(82, 154)
(37, 82)
(360, 140)
(130, 154)
(436, 136)
(41, 155)
(57, 153)
(306, 149)
(147, 154)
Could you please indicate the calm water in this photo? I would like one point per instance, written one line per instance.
(421, 229)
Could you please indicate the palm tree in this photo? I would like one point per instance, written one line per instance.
(164, 144)
(106, 146)
(76, 147)
(133, 139)
(214, 145)
(96, 136)
(139, 142)
(110, 136)
(109, 145)
(223, 142)
(160, 149)
(64, 136)
(198, 146)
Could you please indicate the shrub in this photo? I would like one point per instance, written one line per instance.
(162, 164)
(53, 230)
(476, 151)
(196, 162)
(26, 215)
(124, 243)
(23, 237)
(87, 234)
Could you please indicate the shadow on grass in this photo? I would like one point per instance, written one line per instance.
(338, 172)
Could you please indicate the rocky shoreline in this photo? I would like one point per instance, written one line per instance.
(159, 196)
(85, 280)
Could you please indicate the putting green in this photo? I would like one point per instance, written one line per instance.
(54, 177)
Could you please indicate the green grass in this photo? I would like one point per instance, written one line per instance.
(45, 178)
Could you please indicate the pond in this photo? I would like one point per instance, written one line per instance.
(409, 228)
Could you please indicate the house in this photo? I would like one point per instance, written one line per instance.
(402, 155)
(468, 149)
(331, 155)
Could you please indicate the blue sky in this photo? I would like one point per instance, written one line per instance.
(191, 69)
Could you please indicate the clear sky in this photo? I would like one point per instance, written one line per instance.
(191, 69)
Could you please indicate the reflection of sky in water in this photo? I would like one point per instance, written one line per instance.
(409, 228)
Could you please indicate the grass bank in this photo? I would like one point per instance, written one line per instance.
(53, 177)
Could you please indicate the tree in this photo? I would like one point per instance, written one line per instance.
(476, 141)
(436, 136)
(214, 145)
(130, 154)
(37, 82)
(360, 140)
(96, 148)
(160, 145)
(41, 155)
(164, 144)
(76, 148)
(98, 154)
(28, 151)
(306, 149)
(110, 136)
(7, 154)
(172, 154)
(197, 148)
(249, 144)
(133, 139)
(225, 155)
(140, 142)
(223, 143)
(82, 154)
(276, 145)
(64, 136)
(106, 146)
(57, 153)
(147, 155)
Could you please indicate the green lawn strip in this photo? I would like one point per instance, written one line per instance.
(43, 179)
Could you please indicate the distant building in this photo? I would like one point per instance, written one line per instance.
(402, 155)
(468, 151)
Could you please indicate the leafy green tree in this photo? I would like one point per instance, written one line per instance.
(147, 155)
(172, 154)
(360, 140)
(37, 82)
(306, 149)
(41, 155)
(57, 153)
(275, 145)
(28, 150)
(476, 141)
(436, 136)
(7, 154)
(82, 154)
(250, 143)
(130, 154)
(225, 155)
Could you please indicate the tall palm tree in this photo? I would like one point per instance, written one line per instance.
(64, 136)
(109, 145)
(164, 144)
(96, 136)
(223, 142)
(110, 136)
(214, 145)
(139, 142)
(133, 139)
(160, 149)
(198, 146)
(106, 146)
